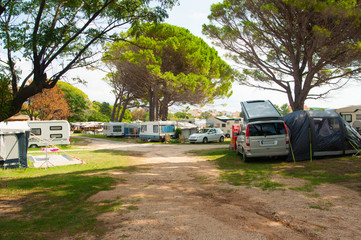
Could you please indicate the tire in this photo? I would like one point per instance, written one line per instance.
(221, 139)
(227, 135)
(238, 152)
(245, 158)
(33, 146)
(205, 140)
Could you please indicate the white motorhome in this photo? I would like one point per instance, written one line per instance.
(45, 133)
(156, 130)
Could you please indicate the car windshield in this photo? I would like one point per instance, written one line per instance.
(204, 130)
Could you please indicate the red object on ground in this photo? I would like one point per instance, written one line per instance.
(235, 133)
(50, 149)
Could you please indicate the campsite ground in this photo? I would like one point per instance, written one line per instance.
(129, 190)
(179, 195)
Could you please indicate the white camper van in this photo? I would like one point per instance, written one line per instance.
(44, 133)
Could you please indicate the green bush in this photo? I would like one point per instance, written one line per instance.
(178, 132)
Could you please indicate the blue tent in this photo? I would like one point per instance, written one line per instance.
(320, 133)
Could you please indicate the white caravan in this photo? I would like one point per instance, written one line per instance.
(156, 130)
(121, 129)
(45, 133)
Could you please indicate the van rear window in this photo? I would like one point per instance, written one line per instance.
(266, 129)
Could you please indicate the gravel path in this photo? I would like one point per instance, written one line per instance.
(176, 195)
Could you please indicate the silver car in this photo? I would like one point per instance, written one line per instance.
(206, 135)
(263, 139)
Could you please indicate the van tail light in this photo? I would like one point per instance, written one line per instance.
(69, 138)
(287, 137)
(247, 137)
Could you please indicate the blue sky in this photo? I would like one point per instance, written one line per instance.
(192, 14)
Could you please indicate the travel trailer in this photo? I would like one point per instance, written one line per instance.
(352, 115)
(121, 129)
(44, 133)
(224, 123)
(156, 130)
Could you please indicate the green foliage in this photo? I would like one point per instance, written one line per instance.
(55, 36)
(270, 40)
(284, 110)
(5, 96)
(182, 115)
(100, 112)
(178, 131)
(184, 68)
(77, 100)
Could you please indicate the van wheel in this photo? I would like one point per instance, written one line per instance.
(238, 152)
(221, 139)
(245, 158)
(33, 146)
(205, 140)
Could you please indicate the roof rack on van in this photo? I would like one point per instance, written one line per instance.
(259, 110)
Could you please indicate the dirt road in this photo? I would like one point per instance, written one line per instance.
(175, 195)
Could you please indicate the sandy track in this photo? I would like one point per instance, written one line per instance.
(178, 196)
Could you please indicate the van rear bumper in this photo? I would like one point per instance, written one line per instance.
(268, 154)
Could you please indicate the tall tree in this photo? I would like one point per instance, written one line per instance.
(59, 35)
(48, 105)
(294, 47)
(169, 65)
(78, 102)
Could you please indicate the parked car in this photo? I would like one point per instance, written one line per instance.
(206, 135)
(266, 138)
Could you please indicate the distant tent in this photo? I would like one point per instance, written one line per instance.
(320, 133)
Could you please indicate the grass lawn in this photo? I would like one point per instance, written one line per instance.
(49, 203)
(345, 170)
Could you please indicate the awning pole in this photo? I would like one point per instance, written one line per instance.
(293, 156)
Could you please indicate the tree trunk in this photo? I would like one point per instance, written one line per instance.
(114, 109)
(164, 108)
(151, 105)
(125, 105)
(118, 110)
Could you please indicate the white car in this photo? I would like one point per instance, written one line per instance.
(206, 135)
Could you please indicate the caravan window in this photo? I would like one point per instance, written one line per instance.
(143, 128)
(53, 128)
(347, 117)
(223, 125)
(117, 128)
(36, 131)
(56, 135)
(155, 128)
(167, 128)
